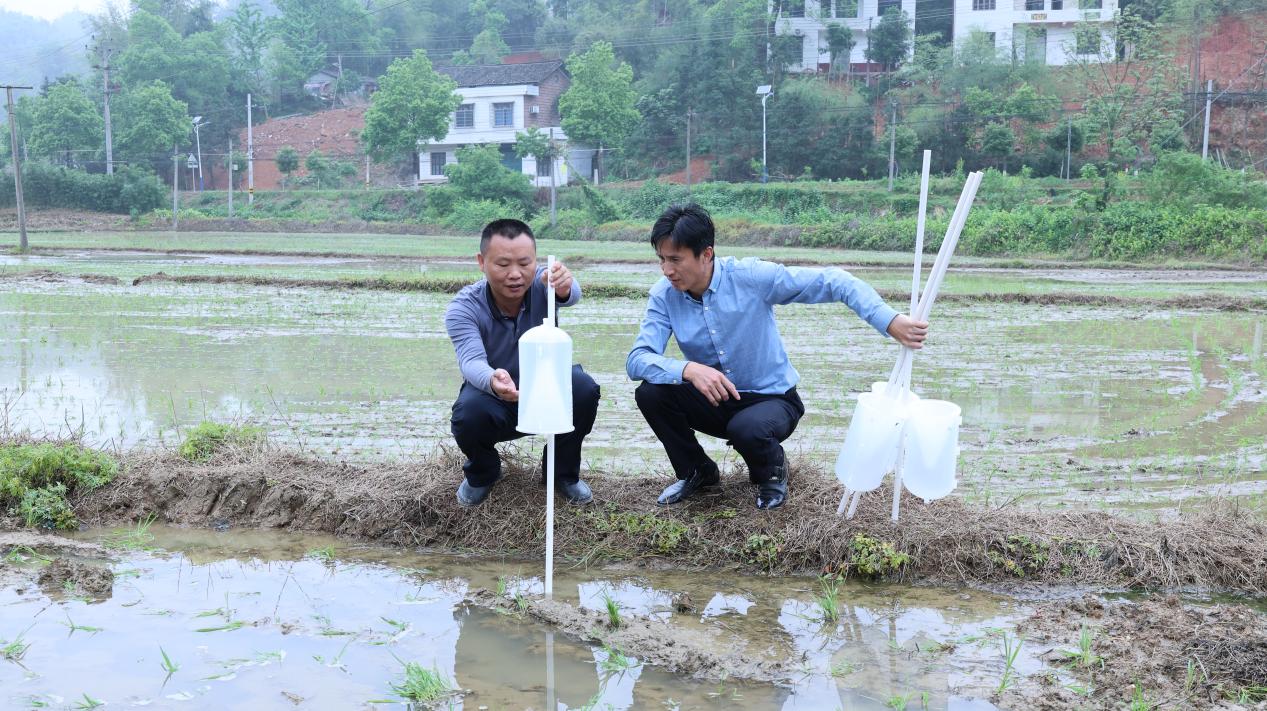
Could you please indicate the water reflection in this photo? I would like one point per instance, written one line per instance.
(252, 624)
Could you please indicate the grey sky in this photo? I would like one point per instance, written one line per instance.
(50, 9)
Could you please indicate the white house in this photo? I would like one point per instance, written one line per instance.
(1055, 32)
(499, 101)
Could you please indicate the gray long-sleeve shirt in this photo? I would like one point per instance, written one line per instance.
(485, 339)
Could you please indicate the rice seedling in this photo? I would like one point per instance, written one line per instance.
(70, 624)
(325, 554)
(898, 703)
(167, 664)
(1083, 656)
(88, 702)
(337, 660)
(827, 600)
(1011, 647)
(227, 627)
(23, 554)
(841, 669)
(615, 661)
(613, 610)
(137, 538)
(15, 650)
(1140, 702)
(420, 684)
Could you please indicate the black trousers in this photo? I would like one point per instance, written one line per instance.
(481, 420)
(755, 425)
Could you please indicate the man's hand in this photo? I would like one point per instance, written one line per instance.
(710, 381)
(560, 278)
(504, 386)
(908, 331)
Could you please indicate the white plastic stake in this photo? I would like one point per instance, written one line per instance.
(549, 452)
(904, 379)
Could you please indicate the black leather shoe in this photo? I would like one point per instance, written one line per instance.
(772, 489)
(576, 492)
(704, 476)
(470, 496)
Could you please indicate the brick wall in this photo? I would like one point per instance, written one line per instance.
(548, 99)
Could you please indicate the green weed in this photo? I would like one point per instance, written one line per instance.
(827, 598)
(324, 554)
(615, 661)
(15, 650)
(872, 558)
(661, 534)
(1083, 656)
(613, 610)
(422, 685)
(1011, 647)
(1140, 702)
(202, 442)
(35, 480)
(762, 550)
(136, 538)
(89, 703)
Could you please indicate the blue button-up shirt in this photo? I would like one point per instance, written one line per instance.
(732, 327)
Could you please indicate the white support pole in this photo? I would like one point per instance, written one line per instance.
(1205, 134)
(250, 155)
(549, 452)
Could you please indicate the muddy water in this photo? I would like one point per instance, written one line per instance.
(1114, 406)
(264, 621)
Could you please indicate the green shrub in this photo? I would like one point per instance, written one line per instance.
(873, 558)
(1185, 178)
(129, 190)
(479, 174)
(35, 480)
(203, 441)
(472, 215)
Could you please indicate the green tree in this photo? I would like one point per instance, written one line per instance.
(148, 121)
(479, 174)
(488, 47)
(840, 43)
(65, 124)
(1134, 105)
(599, 108)
(248, 39)
(194, 67)
(412, 104)
(890, 41)
(287, 162)
(536, 143)
(327, 173)
(997, 142)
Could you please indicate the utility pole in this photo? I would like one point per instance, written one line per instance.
(1068, 151)
(892, 144)
(250, 155)
(105, 73)
(553, 180)
(689, 115)
(198, 124)
(232, 166)
(1205, 135)
(175, 189)
(23, 245)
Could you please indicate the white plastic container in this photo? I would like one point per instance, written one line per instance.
(545, 381)
(932, 449)
(874, 438)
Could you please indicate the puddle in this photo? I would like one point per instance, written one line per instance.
(267, 620)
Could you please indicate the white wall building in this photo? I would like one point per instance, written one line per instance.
(1055, 32)
(499, 101)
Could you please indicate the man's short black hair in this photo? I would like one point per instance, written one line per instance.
(684, 226)
(506, 227)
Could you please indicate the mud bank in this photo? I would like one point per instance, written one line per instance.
(1158, 653)
(670, 647)
(412, 504)
(1195, 302)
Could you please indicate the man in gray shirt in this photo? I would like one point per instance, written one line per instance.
(485, 321)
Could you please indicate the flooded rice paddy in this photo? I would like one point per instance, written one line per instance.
(278, 621)
(1128, 406)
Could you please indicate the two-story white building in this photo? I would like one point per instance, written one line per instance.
(1055, 32)
(499, 101)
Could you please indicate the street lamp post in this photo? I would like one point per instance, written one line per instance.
(765, 91)
(199, 123)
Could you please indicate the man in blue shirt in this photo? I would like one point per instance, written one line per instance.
(485, 321)
(736, 382)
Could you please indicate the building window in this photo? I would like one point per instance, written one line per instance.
(438, 160)
(883, 7)
(1088, 41)
(824, 8)
(1090, 4)
(847, 8)
(982, 4)
(1057, 4)
(1033, 5)
(990, 37)
(793, 8)
(544, 168)
(504, 114)
(464, 117)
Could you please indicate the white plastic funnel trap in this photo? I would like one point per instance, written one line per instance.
(931, 449)
(874, 438)
(545, 379)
